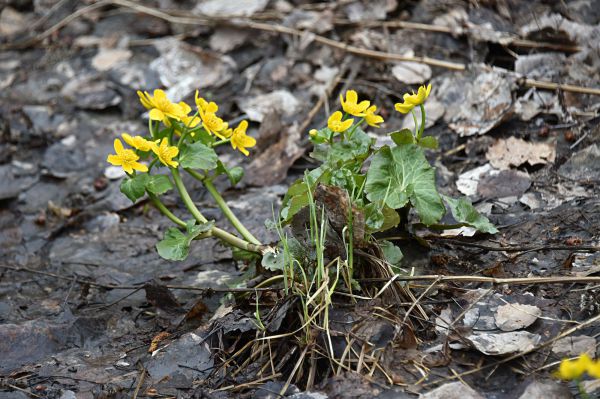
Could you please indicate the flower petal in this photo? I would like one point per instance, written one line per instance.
(156, 114)
(118, 146)
(351, 97)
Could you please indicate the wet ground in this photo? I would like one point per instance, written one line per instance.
(83, 293)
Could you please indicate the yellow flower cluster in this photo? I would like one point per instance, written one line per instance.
(574, 369)
(128, 159)
(412, 100)
(163, 110)
(351, 106)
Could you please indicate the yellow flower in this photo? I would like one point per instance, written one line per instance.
(205, 106)
(125, 158)
(594, 369)
(336, 124)
(371, 118)
(574, 369)
(351, 104)
(412, 100)
(213, 124)
(240, 141)
(312, 132)
(138, 142)
(161, 109)
(166, 153)
(188, 120)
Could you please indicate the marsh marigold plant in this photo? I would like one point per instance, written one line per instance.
(183, 139)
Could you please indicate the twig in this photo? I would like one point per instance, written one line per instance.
(492, 280)
(140, 382)
(131, 287)
(511, 248)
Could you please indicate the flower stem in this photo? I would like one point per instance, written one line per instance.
(224, 207)
(422, 128)
(185, 196)
(215, 231)
(417, 129)
(218, 143)
(163, 209)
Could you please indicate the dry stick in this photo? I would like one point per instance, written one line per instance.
(492, 280)
(140, 382)
(129, 287)
(284, 30)
(570, 331)
(529, 248)
(505, 41)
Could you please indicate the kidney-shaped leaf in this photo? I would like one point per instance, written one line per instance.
(402, 174)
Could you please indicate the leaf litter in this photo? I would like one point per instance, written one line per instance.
(85, 328)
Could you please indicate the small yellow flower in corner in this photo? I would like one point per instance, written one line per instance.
(352, 106)
(166, 153)
(138, 142)
(125, 158)
(239, 139)
(412, 100)
(336, 124)
(573, 369)
(161, 109)
(372, 118)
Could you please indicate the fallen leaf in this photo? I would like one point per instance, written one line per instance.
(514, 316)
(515, 152)
(504, 343)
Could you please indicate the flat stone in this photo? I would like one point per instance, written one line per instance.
(515, 316)
(453, 390)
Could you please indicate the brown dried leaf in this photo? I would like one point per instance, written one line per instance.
(515, 152)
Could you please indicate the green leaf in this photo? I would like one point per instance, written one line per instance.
(391, 219)
(296, 197)
(134, 187)
(198, 156)
(404, 136)
(401, 175)
(357, 147)
(464, 212)
(429, 142)
(234, 174)
(201, 135)
(273, 261)
(373, 217)
(322, 136)
(294, 205)
(392, 254)
(176, 245)
(158, 184)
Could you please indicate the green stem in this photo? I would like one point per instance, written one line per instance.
(227, 211)
(582, 392)
(218, 143)
(215, 231)
(422, 122)
(417, 129)
(357, 124)
(185, 196)
(163, 209)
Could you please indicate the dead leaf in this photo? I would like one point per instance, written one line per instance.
(271, 165)
(161, 336)
(411, 72)
(514, 316)
(280, 101)
(515, 152)
(238, 8)
(504, 343)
